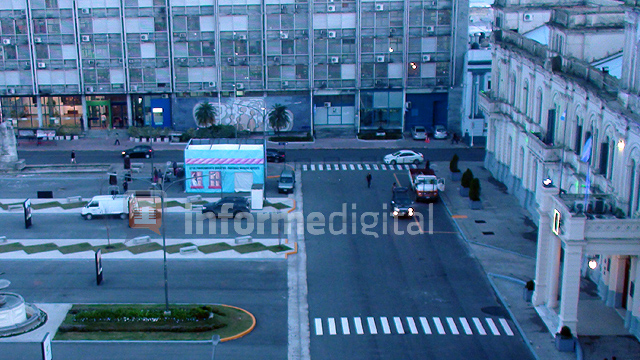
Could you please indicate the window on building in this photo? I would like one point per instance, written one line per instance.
(539, 103)
(525, 98)
(604, 157)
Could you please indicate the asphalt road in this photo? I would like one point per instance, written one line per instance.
(394, 275)
(300, 156)
(257, 286)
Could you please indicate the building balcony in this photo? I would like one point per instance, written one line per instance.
(541, 150)
(487, 104)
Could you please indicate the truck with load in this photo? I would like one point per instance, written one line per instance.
(107, 205)
(426, 184)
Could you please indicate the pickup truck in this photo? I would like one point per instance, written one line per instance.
(426, 184)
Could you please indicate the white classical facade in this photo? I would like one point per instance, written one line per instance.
(547, 112)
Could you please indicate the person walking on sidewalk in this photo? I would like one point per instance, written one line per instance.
(125, 186)
(369, 177)
(117, 142)
(73, 156)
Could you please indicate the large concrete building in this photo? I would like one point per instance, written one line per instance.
(344, 64)
(555, 118)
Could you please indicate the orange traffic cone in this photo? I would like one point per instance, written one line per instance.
(427, 139)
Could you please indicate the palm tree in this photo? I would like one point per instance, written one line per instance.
(205, 114)
(279, 118)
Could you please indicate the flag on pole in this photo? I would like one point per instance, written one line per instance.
(585, 156)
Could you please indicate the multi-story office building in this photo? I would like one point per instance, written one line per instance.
(334, 63)
(564, 136)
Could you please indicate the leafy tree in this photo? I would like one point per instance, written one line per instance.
(467, 176)
(279, 118)
(205, 114)
(453, 165)
(474, 190)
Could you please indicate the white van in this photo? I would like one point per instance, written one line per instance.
(102, 205)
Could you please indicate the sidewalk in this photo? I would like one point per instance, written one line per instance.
(503, 238)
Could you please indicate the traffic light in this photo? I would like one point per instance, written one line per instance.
(127, 162)
(113, 179)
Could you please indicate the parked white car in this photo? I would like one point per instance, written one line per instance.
(404, 157)
(418, 133)
(440, 132)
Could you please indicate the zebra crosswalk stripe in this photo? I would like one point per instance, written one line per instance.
(506, 327)
(383, 167)
(336, 167)
(372, 326)
(385, 325)
(452, 326)
(345, 326)
(318, 322)
(407, 167)
(358, 323)
(425, 325)
(359, 167)
(493, 327)
(328, 167)
(344, 166)
(412, 325)
(465, 326)
(479, 326)
(304, 167)
(366, 166)
(399, 326)
(332, 326)
(375, 167)
(320, 167)
(313, 167)
(439, 327)
(351, 167)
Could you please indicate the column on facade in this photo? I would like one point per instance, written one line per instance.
(553, 276)
(129, 111)
(616, 281)
(544, 263)
(85, 121)
(39, 107)
(571, 285)
(634, 306)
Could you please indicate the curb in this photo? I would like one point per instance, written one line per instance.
(250, 329)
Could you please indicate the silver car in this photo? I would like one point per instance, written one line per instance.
(440, 132)
(404, 157)
(419, 133)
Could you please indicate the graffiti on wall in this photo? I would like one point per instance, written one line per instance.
(242, 113)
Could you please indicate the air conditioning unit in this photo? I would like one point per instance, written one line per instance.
(89, 89)
(230, 60)
(6, 41)
(182, 60)
(327, 104)
(144, 37)
(86, 38)
(379, 7)
(276, 59)
(332, 34)
(430, 28)
(407, 105)
(331, 8)
(335, 59)
(242, 37)
(527, 17)
(285, 83)
(86, 11)
(91, 62)
(380, 58)
(42, 65)
(283, 9)
(37, 40)
(426, 58)
(200, 60)
(434, 3)
(11, 91)
(284, 35)
(133, 88)
(212, 84)
(239, 86)
(182, 35)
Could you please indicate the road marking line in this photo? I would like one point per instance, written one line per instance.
(359, 167)
(320, 167)
(458, 216)
(332, 326)
(373, 329)
(345, 326)
(366, 166)
(452, 326)
(319, 331)
(425, 325)
(506, 327)
(412, 325)
(313, 167)
(336, 167)
(465, 326)
(358, 322)
(328, 167)
(479, 326)
(398, 323)
(344, 166)
(351, 167)
(493, 327)
(385, 325)
(407, 167)
(383, 167)
(304, 167)
(399, 167)
(439, 326)
(375, 167)
(414, 166)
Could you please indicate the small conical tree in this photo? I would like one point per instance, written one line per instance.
(279, 118)
(474, 190)
(467, 176)
(453, 165)
(205, 114)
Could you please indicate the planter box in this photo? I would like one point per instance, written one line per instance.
(75, 137)
(475, 205)
(143, 139)
(136, 140)
(464, 192)
(565, 344)
(130, 139)
(456, 176)
(165, 140)
(68, 137)
(158, 140)
(527, 294)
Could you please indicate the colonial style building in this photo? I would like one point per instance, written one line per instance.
(334, 63)
(554, 118)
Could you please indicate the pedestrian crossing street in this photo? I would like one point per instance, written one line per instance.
(409, 325)
(353, 167)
